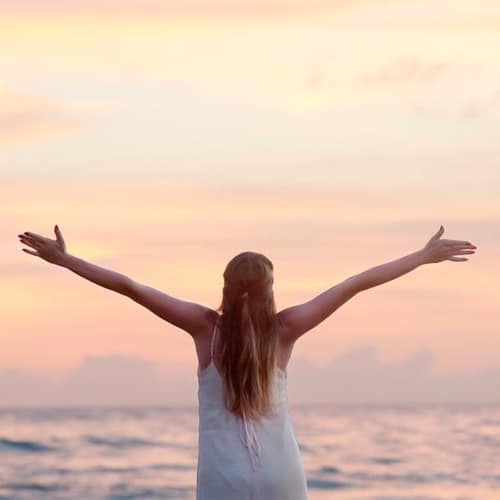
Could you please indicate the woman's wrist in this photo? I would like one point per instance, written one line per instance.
(64, 260)
(423, 256)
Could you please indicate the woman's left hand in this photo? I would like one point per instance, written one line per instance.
(50, 250)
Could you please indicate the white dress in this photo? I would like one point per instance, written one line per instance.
(242, 459)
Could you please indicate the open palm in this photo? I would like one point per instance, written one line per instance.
(437, 249)
(45, 248)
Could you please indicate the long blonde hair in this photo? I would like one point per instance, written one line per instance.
(248, 334)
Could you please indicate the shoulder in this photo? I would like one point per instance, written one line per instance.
(206, 328)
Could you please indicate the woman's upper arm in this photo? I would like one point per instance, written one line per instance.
(299, 319)
(189, 316)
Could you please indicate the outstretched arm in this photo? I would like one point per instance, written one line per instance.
(101, 276)
(54, 251)
(188, 316)
(390, 270)
(299, 319)
(436, 250)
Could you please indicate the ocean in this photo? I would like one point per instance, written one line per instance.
(350, 452)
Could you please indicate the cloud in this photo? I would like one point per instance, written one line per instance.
(478, 107)
(100, 380)
(354, 376)
(28, 118)
(188, 8)
(359, 376)
(406, 70)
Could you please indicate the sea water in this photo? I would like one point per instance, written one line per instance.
(382, 452)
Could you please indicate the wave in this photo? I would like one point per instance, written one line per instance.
(28, 446)
(121, 442)
(145, 492)
(31, 486)
(322, 484)
(327, 469)
(386, 460)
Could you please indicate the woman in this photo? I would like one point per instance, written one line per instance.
(247, 446)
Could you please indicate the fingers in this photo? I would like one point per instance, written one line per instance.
(35, 236)
(29, 241)
(26, 237)
(459, 243)
(59, 236)
(438, 234)
(457, 259)
(25, 240)
(463, 243)
(29, 251)
(32, 246)
(464, 252)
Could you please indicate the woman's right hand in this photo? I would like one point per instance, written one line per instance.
(52, 251)
(437, 250)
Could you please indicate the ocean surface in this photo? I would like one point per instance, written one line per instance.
(384, 452)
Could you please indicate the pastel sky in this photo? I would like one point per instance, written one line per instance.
(165, 137)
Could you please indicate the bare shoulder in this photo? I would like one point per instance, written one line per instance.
(207, 327)
(284, 330)
(203, 338)
(285, 344)
(301, 318)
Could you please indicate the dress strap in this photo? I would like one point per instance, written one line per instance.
(212, 343)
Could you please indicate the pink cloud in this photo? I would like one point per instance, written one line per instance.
(27, 118)
(406, 70)
(186, 8)
(481, 106)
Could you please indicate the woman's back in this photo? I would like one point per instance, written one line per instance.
(241, 458)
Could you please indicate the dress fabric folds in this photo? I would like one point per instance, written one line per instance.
(242, 459)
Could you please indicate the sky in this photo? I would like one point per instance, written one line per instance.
(332, 136)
